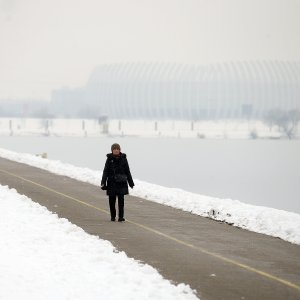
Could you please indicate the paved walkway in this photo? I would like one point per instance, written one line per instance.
(218, 260)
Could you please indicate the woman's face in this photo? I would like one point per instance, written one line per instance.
(116, 151)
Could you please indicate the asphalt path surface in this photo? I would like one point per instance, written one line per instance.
(219, 261)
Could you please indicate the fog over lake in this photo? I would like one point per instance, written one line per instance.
(259, 172)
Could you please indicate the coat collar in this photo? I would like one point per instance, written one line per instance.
(110, 155)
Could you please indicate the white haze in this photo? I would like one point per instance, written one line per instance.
(51, 43)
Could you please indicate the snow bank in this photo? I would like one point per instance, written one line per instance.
(209, 129)
(266, 220)
(270, 221)
(46, 257)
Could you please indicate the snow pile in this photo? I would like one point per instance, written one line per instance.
(46, 257)
(270, 221)
(266, 220)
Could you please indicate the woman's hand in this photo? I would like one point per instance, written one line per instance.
(103, 187)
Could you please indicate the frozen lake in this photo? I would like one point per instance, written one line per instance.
(259, 172)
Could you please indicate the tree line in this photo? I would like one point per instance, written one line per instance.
(287, 121)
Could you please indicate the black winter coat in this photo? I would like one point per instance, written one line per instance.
(116, 165)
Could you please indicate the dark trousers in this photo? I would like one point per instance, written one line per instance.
(112, 206)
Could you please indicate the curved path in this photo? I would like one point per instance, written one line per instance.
(216, 259)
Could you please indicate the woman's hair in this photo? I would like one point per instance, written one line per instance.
(115, 146)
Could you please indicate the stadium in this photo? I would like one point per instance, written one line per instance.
(231, 90)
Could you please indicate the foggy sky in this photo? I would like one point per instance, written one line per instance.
(53, 43)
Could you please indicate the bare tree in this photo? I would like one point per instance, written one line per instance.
(287, 121)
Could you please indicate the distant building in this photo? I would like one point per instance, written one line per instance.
(24, 108)
(175, 91)
(67, 102)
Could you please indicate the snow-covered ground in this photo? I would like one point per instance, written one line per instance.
(270, 221)
(46, 257)
(211, 129)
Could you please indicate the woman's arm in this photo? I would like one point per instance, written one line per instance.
(105, 174)
(129, 177)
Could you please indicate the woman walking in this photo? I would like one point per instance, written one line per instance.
(116, 175)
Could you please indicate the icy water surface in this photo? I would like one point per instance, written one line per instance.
(259, 172)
